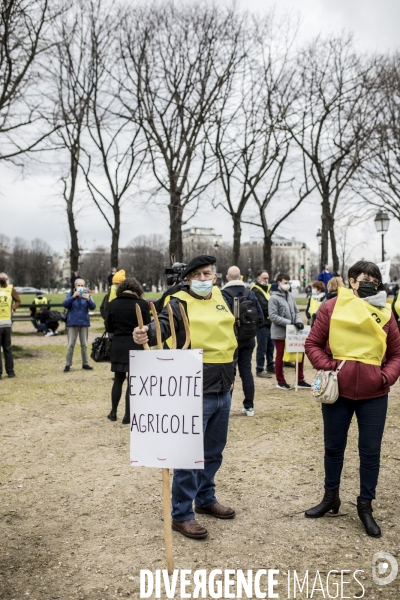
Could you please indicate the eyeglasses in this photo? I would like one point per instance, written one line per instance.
(374, 281)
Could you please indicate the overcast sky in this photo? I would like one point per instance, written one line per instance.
(32, 206)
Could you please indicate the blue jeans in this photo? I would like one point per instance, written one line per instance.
(198, 484)
(245, 352)
(265, 349)
(371, 417)
(40, 326)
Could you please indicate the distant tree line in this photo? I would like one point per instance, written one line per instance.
(188, 105)
(145, 258)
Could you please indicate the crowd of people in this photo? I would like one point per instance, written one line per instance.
(353, 330)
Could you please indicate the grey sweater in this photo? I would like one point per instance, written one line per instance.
(282, 311)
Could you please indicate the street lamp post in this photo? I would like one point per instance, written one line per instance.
(382, 221)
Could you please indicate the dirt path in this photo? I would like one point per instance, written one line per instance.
(79, 523)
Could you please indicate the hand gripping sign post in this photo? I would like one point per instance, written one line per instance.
(166, 395)
(295, 341)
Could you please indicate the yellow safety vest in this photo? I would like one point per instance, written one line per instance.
(314, 305)
(211, 326)
(113, 293)
(356, 329)
(5, 303)
(266, 294)
(39, 301)
(397, 305)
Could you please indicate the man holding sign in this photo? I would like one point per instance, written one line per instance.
(211, 330)
(283, 311)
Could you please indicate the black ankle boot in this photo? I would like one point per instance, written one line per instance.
(330, 502)
(364, 509)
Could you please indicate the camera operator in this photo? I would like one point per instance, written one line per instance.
(175, 283)
(78, 302)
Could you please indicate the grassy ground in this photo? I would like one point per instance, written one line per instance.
(27, 299)
(78, 523)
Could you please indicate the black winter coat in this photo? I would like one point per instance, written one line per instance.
(121, 321)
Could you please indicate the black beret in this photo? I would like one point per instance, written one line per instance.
(199, 261)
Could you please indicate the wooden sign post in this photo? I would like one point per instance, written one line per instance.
(166, 392)
(295, 340)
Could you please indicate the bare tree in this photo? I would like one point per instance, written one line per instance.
(269, 169)
(331, 123)
(71, 83)
(24, 26)
(117, 148)
(378, 181)
(177, 60)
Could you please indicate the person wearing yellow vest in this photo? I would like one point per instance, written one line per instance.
(118, 277)
(265, 345)
(38, 302)
(314, 301)
(211, 328)
(356, 327)
(396, 308)
(9, 302)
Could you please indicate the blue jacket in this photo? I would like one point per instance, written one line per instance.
(325, 277)
(78, 310)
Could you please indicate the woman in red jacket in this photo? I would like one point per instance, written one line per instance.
(359, 328)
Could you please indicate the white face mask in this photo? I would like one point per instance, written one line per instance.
(201, 288)
(285, 287)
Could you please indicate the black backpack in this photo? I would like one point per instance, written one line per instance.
(245, 313)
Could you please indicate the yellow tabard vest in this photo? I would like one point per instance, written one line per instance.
(113, 293)
(39, 301)
(5, 303)
(265, 293)
(356, 329)
(397, 304)
(211, 326)
(314, 305)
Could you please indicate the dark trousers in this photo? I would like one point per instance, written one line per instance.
(371, 416)
(245, 352)
(5, 343)
(265, 349)
(280, 350)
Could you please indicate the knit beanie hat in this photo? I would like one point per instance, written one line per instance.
(119, 277)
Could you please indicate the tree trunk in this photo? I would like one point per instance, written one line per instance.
(73, 232)
(115, 233)
(335, 257)
(325, 227)
(267, 255)
(237, 234)
(175, 227)
(74, 249)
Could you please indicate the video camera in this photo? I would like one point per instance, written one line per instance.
(174, 274)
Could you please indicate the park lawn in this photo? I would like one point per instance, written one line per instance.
(27, 299)
(79, 522)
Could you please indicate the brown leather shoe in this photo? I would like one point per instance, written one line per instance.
(216, 510)
(191, 529)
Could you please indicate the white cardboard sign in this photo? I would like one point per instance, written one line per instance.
(296, 339)
(166, 404)
(384, 268)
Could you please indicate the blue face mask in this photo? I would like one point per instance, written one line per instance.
(314, 292)
(201, 288)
